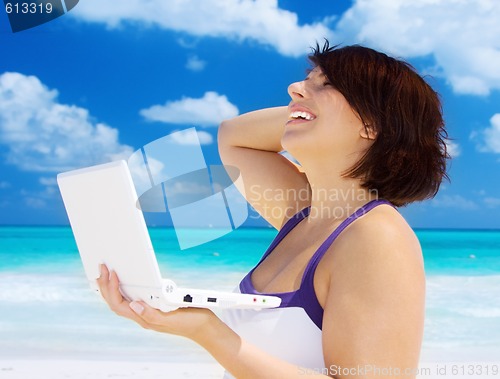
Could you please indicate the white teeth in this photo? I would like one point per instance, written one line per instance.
(303, 115)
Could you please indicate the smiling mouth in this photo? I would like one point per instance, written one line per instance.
(300, 116)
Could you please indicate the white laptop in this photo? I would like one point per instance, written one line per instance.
(101, 203)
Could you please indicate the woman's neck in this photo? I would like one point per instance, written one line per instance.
(334, 197)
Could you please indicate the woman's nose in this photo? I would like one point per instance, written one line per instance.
(296, 90)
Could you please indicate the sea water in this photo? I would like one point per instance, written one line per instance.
(48, 311)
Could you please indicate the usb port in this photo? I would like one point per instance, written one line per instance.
(212, 300)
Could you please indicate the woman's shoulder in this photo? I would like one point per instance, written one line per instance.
(377, 252)
(380, 236)
(383, 224)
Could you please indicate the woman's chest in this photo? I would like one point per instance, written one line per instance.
(282, 270)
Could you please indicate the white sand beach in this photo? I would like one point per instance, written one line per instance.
(86, 369)
(434, 365)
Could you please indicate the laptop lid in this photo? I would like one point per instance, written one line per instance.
(101, 205)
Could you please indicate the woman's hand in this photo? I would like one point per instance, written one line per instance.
(192, 323)
(240, 358)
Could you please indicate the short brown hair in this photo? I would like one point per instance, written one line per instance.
(407, 160)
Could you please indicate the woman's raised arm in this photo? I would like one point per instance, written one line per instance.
(273, 185)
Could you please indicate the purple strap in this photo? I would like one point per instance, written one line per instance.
(305, 296)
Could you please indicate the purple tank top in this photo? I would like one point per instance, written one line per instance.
(305, 296)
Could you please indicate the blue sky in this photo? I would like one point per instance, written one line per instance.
(108, 77)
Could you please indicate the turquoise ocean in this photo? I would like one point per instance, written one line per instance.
(47, 309)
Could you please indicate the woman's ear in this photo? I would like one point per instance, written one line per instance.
(368, 132)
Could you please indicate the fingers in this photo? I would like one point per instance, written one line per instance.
(172, 322)
(109, 286)
(187, 322)
(104, 275)
(137, 307)
(103, 280)
(153, 318)
(138, 311)
(114, 295)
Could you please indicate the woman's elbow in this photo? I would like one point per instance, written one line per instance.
(224, 134)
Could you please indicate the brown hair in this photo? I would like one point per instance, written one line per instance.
(407, 160)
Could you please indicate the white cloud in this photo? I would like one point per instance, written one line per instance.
(40, 199)
(195, 64)
(461, 35)
(35, 202)
(203, 138)
(209, 110)
(453, 148)
(492, 202)
(258, 20)
(44, 135)
(489, 138)
(453, 201)
(48, 181)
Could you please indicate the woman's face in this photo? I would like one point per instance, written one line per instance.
(322, 123)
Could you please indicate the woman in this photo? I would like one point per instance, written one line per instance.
(368, 133)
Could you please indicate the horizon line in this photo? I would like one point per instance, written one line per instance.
(265, 227)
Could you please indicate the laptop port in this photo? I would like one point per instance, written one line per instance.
(212, 300)
(188, 299)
